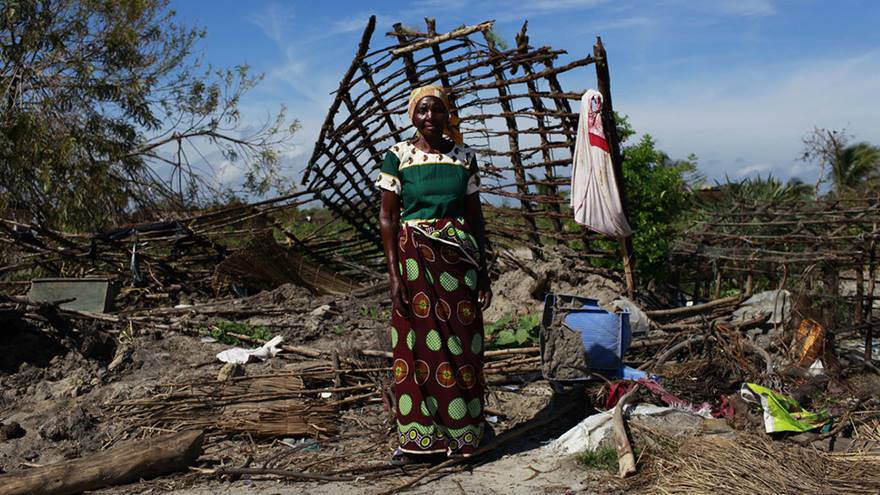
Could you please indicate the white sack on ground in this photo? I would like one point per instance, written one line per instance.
(597, 430)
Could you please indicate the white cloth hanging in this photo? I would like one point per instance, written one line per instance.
(595, 197)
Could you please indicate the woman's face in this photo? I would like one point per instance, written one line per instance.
(430, 116)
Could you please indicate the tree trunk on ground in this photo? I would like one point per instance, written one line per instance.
(139, 460)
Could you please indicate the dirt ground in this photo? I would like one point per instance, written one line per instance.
(57, 397)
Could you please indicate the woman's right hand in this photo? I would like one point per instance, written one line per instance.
(399, 297)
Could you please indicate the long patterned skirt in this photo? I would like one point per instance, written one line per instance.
(438, 346)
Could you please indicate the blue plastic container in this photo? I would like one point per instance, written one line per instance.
(606, 335)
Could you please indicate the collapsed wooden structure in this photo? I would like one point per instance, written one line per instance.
(828, 245)
(514, 112)
(191, 253)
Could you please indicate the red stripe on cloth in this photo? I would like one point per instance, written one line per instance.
(599, 142)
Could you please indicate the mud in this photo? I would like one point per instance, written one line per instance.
(287, 295)
(61, 405)
(57, 391)
(564, 356)
(518, 292)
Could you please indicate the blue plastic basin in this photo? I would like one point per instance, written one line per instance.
(606, 336)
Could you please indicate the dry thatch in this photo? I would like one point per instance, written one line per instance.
(261, 406)
(263, 264)
(756, 464)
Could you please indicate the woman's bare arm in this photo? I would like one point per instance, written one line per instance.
(389, 225)
(473, 215)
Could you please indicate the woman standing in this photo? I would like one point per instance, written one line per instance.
(432, 233)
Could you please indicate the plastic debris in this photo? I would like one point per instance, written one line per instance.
(597, 430)
(809, 342)
(782, 413)
(775, 302)
(817, 368)
(241, 356)
(639, 322)
(706, 410)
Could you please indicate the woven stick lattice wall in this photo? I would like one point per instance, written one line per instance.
(830, 245)
(514, 113)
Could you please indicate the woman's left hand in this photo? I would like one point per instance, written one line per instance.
(484, 291)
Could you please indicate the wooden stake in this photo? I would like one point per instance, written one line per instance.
(626, 460)
(872, 270)
(860, 292)
(603, 80)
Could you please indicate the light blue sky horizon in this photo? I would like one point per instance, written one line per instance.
(738, 83)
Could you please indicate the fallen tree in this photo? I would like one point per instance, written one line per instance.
(143, 459)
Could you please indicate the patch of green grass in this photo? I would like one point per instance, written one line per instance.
(509, 331)
(306, 222)
(376, 313)
(821, 400)
(604, 458)
(339, 329)
(221, 329)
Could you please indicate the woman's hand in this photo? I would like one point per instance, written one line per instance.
(399, 297)
(484, 290)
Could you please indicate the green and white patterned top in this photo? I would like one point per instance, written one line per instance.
(430, 185)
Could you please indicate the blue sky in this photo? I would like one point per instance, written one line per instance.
(736, 82)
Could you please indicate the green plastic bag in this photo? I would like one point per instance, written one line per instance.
(782, 413)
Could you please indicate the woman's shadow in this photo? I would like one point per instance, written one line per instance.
(567, 407)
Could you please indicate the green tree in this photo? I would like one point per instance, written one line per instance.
(658, 199)
(854, 167)
(849, 167)
(104, 109)
(754, 190)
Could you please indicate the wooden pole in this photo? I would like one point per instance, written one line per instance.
(626, 460)
(604, 82)
(516, 159)
(869, 337)
(522, 42)
(860, 292)
(143, 459)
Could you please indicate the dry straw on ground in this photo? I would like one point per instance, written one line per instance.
(756, 464)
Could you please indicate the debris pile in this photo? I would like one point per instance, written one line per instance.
(200, 255)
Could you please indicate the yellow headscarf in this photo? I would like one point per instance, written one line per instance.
(417, 94)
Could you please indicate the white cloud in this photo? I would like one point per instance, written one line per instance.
(356, 23)
(735, 8)
(639, 21)
(760, 114)
(557, 4)
(420, 6)
(273, 20)
(755, 168)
